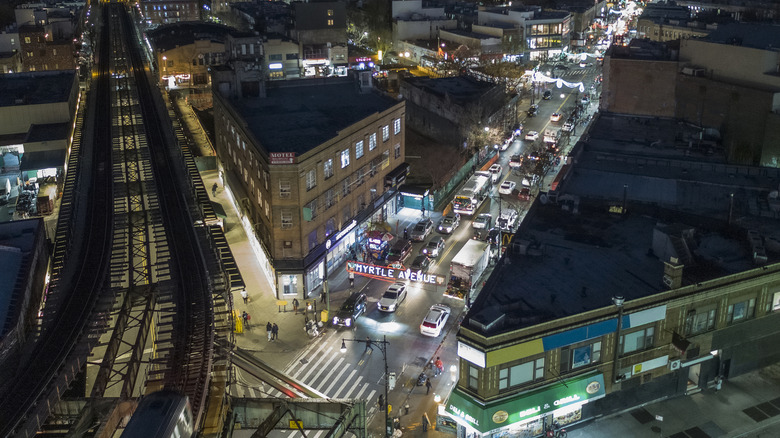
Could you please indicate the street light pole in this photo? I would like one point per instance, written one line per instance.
(382, 345)
(618, 302)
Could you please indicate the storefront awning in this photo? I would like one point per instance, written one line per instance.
(526, 405)
(397, 176)
(414, 190)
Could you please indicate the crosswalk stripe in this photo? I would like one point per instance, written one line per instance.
(336, 379)
(348, 380)
(316, 365)
(327, 378)
(300, 367)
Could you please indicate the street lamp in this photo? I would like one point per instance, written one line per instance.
(382, 345)
(618, 302)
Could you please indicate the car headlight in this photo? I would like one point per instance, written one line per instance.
(348, 322)
(335, 320)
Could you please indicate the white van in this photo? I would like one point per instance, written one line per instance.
(507, 220)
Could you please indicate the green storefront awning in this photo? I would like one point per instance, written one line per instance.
(525, 405)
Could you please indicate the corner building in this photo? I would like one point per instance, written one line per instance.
(307, 163)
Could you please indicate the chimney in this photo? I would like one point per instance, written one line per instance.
(673, 271)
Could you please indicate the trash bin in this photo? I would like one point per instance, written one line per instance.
(324, 316)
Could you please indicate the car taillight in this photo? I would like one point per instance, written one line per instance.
(429, 324)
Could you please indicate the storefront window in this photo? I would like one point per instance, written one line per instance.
(289, 284)
(314, 277)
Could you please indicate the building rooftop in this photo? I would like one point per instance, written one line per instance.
(563, 263)
(17, 239)
(34, 88)
(644, 49)
(171, 36)
(48, 132)
(301, 115)
(460, 90)
(757, 36)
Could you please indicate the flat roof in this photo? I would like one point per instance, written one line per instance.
(300, 117)
(34, 88)
(48, 132)
(757, 36)
(460, 89)
(17, 239)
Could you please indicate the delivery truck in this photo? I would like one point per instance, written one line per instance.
(466, 268)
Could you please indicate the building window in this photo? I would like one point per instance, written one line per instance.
(291, 56)
(330, 226)
(741, 311)
(397, 126)
(346, 187)
(287, 219)
(284, 188)
(330, 198)
(397, 150)
(519, 374)
(327, 168)
(473, 377)
(54, 52)
(776, 301)
(636, 341)
(344, 158)
(311, 179)
(385, 133)
(372, 142)
(312, 239)
(27, 40)
(385, 160)
(359, 149)
(310, 210)
(346, 214)
(699, 321)
(576, 357)
(330, 12)
(275, 57)
(330, 22)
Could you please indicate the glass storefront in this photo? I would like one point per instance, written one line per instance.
(289, 284)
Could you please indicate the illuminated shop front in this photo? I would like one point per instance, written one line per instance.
(524, 413)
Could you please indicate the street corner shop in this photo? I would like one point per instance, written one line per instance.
(525, 412)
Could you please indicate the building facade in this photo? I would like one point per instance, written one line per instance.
(546, 33)
(39, 51)
(320, 28)
(157, 12)
(306, 182)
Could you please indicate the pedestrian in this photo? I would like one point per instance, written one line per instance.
(428, 386)
(381, 401)
(269, 330)
(425, 421)
(214, 190)
(244, 295)
(406, 233)
(295, 305)
(423, 211)
(244, 316)
(351, 280)
(275, 332)
(439, 365)
(323, 296)
(248, 320)
(368, 345)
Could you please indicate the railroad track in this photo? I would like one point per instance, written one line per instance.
(129, 200)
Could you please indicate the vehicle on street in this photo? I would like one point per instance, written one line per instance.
(472, 194)
(392, 298)
(507, 187)
(350, 311)
(531, 135)
(568, 126)
(434, 321)
(547, 95)
(420, 263)
(421, 230)
(495, 173)
(583, 64)
(532, 110)
(550, 136)
(482, 221)
(434, 247)
(554, 117)
(585, 100)
(507, 220)
(529, 180)
(515, 161)
(399, 251)
(525, 194)
(467, 266)
(449, 223)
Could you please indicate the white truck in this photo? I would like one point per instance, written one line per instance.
(466, 268)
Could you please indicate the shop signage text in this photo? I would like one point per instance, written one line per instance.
(282, 157)
(391, 274)
(464, 415)
(346, 230)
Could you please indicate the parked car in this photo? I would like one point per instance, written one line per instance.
(421, 263)
(350, 311)
(421, 230)
(507, 187)
(532, 110)
(554, 117)
(531, 135)
(495, 173)
(434, 247)
(449, 223)
(434, 321)
(507, 220)
(482, 221)
(399, 251)
(525, 194)
(568, 126)
(547, 95)
(392, 298)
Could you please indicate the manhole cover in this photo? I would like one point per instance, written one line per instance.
(304, 361)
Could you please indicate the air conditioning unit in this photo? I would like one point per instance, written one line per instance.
(674, 365)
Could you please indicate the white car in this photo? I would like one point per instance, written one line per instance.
(554, 117)
(434, 321)
(482, 221)
(392, 298)
(568, 127)
(531, 135)
(495, 173)
(507, 187)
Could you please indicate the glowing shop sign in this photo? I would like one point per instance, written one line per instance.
(393, 274)
(464, 415)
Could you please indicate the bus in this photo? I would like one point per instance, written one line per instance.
(470, 197)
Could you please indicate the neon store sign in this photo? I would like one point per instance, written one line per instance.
(388, 273)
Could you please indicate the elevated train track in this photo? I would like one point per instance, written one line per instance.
(131, 273)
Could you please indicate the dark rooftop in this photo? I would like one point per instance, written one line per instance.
(48, 132)
(34, 88)
(301, 115)
(170, 36)
(460, 89)
(757, 36)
